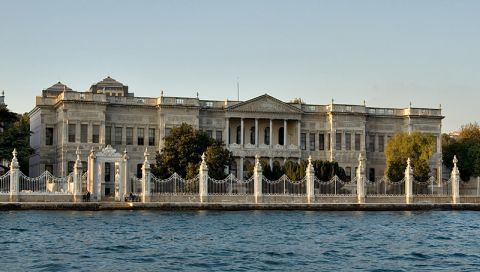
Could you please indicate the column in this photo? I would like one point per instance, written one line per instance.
(227, 131)
(14, 177)
(146, 192)
(257, 179)
(271, 133)
(298, 132)
(125, 180)
(203, 182)
(361, 179)
(408, 183)
(270, 162)
(310, 181)
(77, 178)
(241, 169)
(455, 177)
(256, 132)
(102, 133)
(241, 132)
(284, 133)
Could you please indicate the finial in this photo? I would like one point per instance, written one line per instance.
(333, 101)
(310, 159)
(455, 160)
(3, 93)
(408, 162)
(77, 152)
(364, 103)
(257, 157)
(203, 157)
(145, 154)
(410, 105)
(440, 106)
(14, 153)
(360, 157)
(161, 93)
(197, 95)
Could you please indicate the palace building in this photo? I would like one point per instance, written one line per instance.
(108, 114)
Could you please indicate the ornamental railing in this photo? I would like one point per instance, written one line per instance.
(283, 186)
(383, 186)
(46, 183)
(335, 187)
(5, 183)
(230, 185)
(174, 185)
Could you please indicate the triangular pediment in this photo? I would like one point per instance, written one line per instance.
(265, 103)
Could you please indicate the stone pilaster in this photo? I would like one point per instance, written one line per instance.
(310, 181)
(455, 179)
(203, 180)
(361, 179)
(14, 177)
(77, 178)
(257, 179)
(146, 192)
(409, 183)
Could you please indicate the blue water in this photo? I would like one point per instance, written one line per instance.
(239, 241)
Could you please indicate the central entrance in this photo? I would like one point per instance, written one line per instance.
(100, 181)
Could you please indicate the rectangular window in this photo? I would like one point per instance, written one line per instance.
(139, 170)
(348, 141)
(329, 141)
(348, 173)
(71, 133)
(108, 170)
(357, 142)
(209, 133)
(219, 134)
(49, 136)
(95, 134)
(338, 141)
(371, 143)
(321, 141)
(140, 136)
(303, 141)
(381, 143)
(371, 174)
(129, 137)
(83, 133)
(49, 168)
(70, 166)
(108, 135)
(179, 101)
(151, 136)
(118, 136)
(312, 141)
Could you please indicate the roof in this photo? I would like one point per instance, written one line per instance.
(58, 87)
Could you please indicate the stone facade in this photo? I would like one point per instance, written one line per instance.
(107, 113)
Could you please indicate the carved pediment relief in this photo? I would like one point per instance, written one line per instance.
(265, 103)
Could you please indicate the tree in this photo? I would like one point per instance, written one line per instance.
(419, 147)
(467, 149)
(16, 134)
(182, 153)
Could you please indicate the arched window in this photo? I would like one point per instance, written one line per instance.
(266, 139)
(252, 135)
(239, 131)
(280, 136)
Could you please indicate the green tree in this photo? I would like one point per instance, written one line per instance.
(419, 147)
(16, 134)
(467, 149)
(182, 153)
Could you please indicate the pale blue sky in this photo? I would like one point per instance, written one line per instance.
(385, 52)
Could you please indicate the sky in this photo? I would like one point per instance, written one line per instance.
(386, 53)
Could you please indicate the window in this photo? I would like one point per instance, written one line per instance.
(312, 141)
(70, 166)
(252, 135)
(49, 136)
(381, 143)
(321, 141)
(209, 104)
(357, 142)
(303, 141)
(209, 133)
(348, 141)
(371, 143)
(238, 134)
(281, 140)
(371, 174)
(348, 173)
(179, 101)
(218, 135)
(151, 136)
(140, 136)
(71, 133)
(118, 136)
(83, 133)
(108, 170)
(329, 141)
(49, 168)
(108, 135)
(266, 138)
(95, 133)
(129, 137)
(139, 170)
(338, 141)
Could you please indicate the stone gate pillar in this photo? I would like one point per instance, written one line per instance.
(409, 183)
(127, 187)
(14, 177)
(257, 179)
(119, 189)
(146, 192)
(361, 179)
(455, 178)
(310, 180)
(203, 180)
(77, 178)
